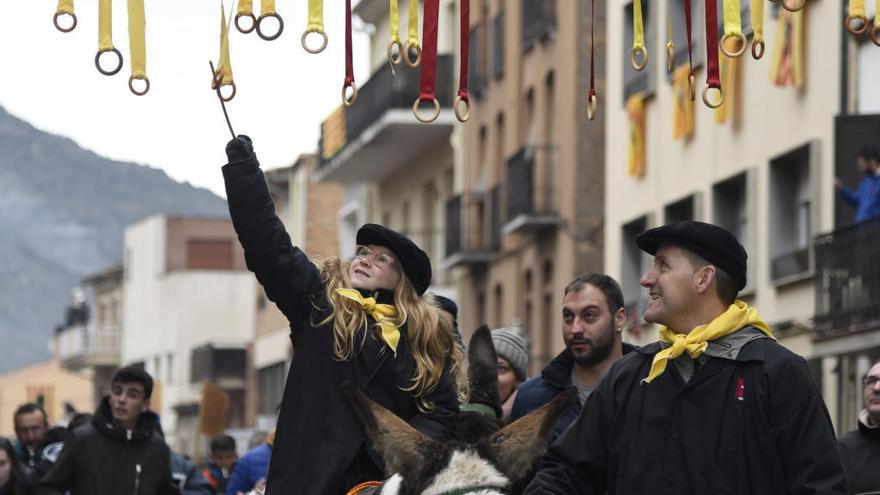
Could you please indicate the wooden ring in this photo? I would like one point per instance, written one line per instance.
(145, 79)
(757, 49)
(786, 4)
(118, 58)
(634, 58)
(670, 58)
(247, 16)
(407, 48)
(280, 26)
(314, 50)
(874, 35)
(354, 94)
(58, 15)
(591, 106)
(849, 25)
(462, 117)
(433, 117)
(706, 97)
(391, 58)
(743, 44)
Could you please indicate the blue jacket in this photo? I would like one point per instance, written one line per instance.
(866, 198)
(187, 476)
(249, 469)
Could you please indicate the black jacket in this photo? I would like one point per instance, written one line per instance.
(860, 453)
(103, 458)
(319, 443)
(756, 425)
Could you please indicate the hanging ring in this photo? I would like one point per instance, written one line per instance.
(706, 97)
(793, 5)
(863, 28)
(433, 117)
(118, 58)
(591, 106)
(462, 117)
(354, 94)
(757, 49)
(58, 26)
(874, 35)
(314, 50)
(253, 24)
(743, 43)
(217, 85)
(391, 58)
(409, 48)
(670, 57)
(280, 26)
(634, 58)
(692, 86)
(146, 81)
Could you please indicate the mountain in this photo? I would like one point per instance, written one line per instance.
(63, 212)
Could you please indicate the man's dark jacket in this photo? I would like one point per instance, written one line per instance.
(539, 390)
(103, 458)
(860, 453)
(754, 425)
(319, 443)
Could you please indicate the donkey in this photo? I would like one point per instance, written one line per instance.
(481, 458)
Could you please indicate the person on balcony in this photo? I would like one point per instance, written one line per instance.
(366, 322)
(860, 449)
(866, 197)
(715, 406)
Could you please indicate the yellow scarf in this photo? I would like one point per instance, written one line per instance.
(380, 312)
(738, 316)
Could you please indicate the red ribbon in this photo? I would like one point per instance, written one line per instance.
(427, 87)
(687, 21)
(713, 78)
(465, 49)
(349, 67)
(592, 51)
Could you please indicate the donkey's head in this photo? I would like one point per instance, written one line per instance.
(481, 459)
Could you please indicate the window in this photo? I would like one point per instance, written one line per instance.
(682, 210)
(635, 81)
(499, 303)
(851, 134)
(527, 126)
(498, 45)
(498, 161)
(481, 308)
(633, 262)
(270, 382)
(538, 21)
(208, 254)
(481, 160)
(791, 214)
(732, 201)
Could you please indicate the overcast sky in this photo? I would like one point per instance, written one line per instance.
(49, 79)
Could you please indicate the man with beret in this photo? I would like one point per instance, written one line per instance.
(716, 406)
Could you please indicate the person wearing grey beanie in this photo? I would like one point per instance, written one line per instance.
(513, 366)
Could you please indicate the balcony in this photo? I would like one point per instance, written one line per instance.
(225, 367)
(473, 229)
(84, 346)
(530, 195)
(378, 134)
(848, 280)
(538, 21)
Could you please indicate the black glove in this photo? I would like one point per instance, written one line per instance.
(240, 149)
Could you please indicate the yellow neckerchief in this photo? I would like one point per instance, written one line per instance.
(738, 316)
(137, 44)
(381, 313)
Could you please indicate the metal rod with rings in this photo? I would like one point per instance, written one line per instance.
(220, 97)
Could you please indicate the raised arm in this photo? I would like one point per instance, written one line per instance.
(285, 272)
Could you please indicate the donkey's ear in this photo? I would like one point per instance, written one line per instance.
(403, 449)
(483, 369)
(518, 445)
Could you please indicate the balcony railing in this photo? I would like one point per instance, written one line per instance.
(848, 280)
(385, 90)
(473, 230)
(81, 346)
(538, 21)
(530, 190)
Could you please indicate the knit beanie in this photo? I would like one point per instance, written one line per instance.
(511, 346)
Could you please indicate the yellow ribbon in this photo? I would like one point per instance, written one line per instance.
(137, 39)
(381, 313)
(316, 16)
(105, 25)
(757, 13)
(877, 15)
(64, 7)
(638, 26)
(224, 66)
(683, 116)
(413, 34)
(857, 9)
(267, 7)
(245, 7)
(732, 19)
(738, 316)
(635, 109)
(394, 21)
(727, 67)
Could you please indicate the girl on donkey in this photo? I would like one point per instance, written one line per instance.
(366, 322)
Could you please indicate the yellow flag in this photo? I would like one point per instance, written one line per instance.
(683, 106)
(635, 110)
(787, 68)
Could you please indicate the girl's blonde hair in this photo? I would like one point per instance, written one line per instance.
(429, 336)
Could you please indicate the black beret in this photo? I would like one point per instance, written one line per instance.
(447, 305)
(715, 244)
(415, 262)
